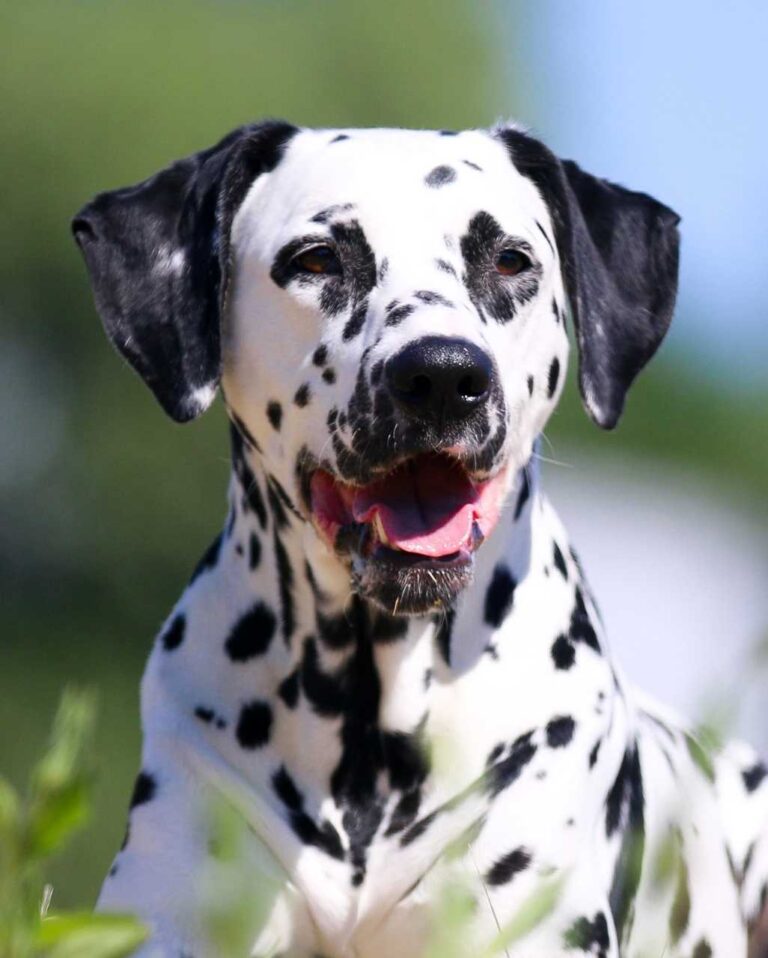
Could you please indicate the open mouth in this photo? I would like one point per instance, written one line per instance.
(427, 512)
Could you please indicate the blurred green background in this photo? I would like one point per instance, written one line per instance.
(105, 505)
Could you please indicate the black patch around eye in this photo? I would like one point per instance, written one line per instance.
(553, 377)
(254, 725)
(440, 176)
(329, 376)
(274, 414)
(490, 292)
(472, 166)
(174, 634)
(357, 257)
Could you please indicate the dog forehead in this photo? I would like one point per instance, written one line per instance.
(390, 180)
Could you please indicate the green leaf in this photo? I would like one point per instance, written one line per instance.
(534, 910)
(84, 935)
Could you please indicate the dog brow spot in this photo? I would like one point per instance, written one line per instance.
(445, 267)
(398, 314)
(275, 414)
(302, 397)
(432, 299)
(440, 176)
(553, 377)
(174, 634)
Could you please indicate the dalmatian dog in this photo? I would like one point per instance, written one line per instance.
(389, 664)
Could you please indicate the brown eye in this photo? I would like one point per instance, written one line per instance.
(510, 262)
(318, 260)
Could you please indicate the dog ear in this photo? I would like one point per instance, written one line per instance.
(158, 255)
(619, 253)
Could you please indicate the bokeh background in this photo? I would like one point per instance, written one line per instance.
(105, 504)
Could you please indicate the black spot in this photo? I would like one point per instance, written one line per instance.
(594, 753)
(323, 690)
(383, 269)
(505, 869)
(302, 396)
(144, 789)
(432, 298)
(506, 771)
(448, 132)
(339, 137)
(254, 551)
(320, 355)
(544, 234)
(753, 776)
(495, 754)
(500, 595)
(288, 690)
(586, 934)
(580, 629)
(523, 495)
(553, 377)
(530, 385)
(681, 906)
(443, 635)
(472, 166)
(626, 789)
(703, 949)
(324, 837)
(404, 812)
(563, 652)
(356, 322)
(398, 314)
(209, 559)
(285, 585)
(559, 561)
(445, 267)
(327, 214)
(625, 801)
(252, 634)
(252, 498)
(254, 725)
(440, 176)
(286, 790)
(560, 731)
(274, 414)
(329, 376)
(173, 636)
(405, 759)
(204, 714)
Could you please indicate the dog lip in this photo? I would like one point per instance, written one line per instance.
(430, 505)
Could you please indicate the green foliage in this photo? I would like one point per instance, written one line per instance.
(37, 826)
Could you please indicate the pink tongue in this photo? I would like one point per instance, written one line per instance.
(424, 506)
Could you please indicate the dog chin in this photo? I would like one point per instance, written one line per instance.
(405, 584)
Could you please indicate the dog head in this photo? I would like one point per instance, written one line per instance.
(385, 311)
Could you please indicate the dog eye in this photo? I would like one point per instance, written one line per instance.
(318, 260)
(510, 262)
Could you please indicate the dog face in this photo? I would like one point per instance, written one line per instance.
(386, 312)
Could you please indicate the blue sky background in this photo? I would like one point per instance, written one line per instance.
(669, 98)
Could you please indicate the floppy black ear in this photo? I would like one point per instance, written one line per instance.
(159, 260)
(619, 253)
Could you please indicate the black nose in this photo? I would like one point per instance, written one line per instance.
(439, 378)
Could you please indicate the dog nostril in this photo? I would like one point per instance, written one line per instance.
(472, 387)
(421, 387)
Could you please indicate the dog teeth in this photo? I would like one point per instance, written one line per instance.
(380, 531)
